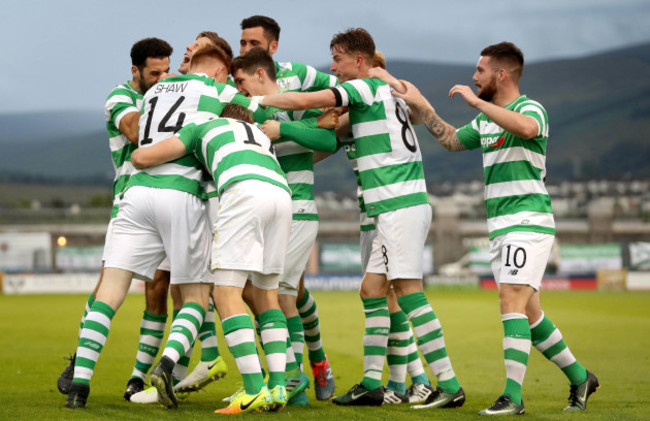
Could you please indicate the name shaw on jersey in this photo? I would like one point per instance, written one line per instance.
(165, 88)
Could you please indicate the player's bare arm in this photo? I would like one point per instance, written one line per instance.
(129, 126)
(167, 150)
(382, 74)
(442, 131)
(518, 124)
(298, 100)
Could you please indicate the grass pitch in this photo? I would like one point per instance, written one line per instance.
(609, 333)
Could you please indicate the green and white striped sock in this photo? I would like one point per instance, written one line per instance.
(180, 369)
(375, 340)
(183, 331)
(152, 330)
(91, 340)
(397, 351)
(430, 339)
(292, 364)
(208, 337)
(274, 333)
(240, 337)
(89, 304)
(297, 336)
(414, 366)
(547, 339)
(516, 348)
(309, 315)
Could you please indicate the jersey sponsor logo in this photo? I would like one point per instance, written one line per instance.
(499, 143)
(488, 141)
(165, 88)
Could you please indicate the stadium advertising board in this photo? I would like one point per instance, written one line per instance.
(639, 256)
(79, 259)
(590, 257)
(25, 252)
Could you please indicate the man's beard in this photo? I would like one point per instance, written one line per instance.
(142, 84)
(486, 93)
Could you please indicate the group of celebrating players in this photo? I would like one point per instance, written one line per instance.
(213, 203)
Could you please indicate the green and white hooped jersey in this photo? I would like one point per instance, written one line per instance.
(297, 162)
(298, 77)
(232, 151)
(172, 104)
(347, 143)
(122, 100)
(516, 198)
(230, 81)
(387, 149)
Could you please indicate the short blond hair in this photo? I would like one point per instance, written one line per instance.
(211, 51)
(379, 60)
(237, 112)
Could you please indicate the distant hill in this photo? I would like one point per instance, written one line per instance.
(598, 106)
(60, 146)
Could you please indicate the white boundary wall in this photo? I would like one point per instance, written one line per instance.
(56, 283)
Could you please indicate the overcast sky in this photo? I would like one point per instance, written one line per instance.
(68, 54)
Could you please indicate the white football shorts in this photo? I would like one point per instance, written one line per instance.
(252, 229)
(301, 243)
(399, 245)
(520, 257)
(154, 223)
(366, 239)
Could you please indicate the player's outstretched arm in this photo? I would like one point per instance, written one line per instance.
(308, 134)
(304, 132)
(442, 131)
(298, 100)
(167, 150)
(520, 125)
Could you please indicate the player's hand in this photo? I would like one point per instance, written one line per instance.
(329, 119)
(379, 73)
(271, 128)
(467, 93)
(412, 97)
(382, 74)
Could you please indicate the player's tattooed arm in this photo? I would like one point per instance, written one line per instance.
(424, 113)
(442, 131)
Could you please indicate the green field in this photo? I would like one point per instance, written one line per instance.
(608, 332)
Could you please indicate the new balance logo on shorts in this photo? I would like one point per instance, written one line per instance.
(513, 272)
